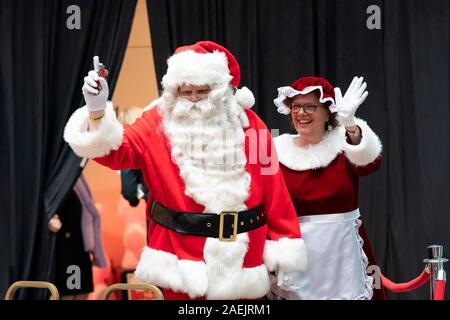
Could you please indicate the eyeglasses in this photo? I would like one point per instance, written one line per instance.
(308, 109)
(202, 93)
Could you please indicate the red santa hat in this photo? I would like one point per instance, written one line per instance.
(305, 85)
(205, 63)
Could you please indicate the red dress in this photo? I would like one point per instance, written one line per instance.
(324, 179)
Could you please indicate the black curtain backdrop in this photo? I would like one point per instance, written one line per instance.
(406, 204)
(42, 66)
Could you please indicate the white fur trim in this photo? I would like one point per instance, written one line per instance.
(243, 118)
(96, 143)
(193, 276)
(334, 142)
(165, 270)
(194, 68)
(367, 150)
(289, 92)
(227, 278)
(160, 268)
(243, 283)
(221, 277)
(311, 157)
(286, 254)
(152, 104)
(245, 98)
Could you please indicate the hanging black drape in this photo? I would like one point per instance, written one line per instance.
(42, 65)
(406, 204)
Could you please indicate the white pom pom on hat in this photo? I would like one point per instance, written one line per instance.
(245, 98)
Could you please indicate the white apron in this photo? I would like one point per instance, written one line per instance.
(336, 261)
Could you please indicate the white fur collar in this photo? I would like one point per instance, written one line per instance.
(311, 157)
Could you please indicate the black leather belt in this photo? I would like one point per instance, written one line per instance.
(224, 226)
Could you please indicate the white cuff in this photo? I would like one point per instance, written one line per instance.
(96, 143)
(368, 149)
(285, 254)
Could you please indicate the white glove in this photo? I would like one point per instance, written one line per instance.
(95, 99)
(347, 105)
(287, 280)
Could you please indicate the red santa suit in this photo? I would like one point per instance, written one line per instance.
(323, 182)
(194, 265)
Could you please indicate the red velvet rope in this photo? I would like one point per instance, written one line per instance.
(439, 290)
(406, 286)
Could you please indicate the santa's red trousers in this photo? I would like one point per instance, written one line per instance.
(172, 295)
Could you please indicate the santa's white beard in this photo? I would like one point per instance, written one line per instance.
(207, 142)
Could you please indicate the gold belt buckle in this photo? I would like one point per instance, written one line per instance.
(235, 225)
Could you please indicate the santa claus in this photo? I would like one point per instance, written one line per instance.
(220, 222)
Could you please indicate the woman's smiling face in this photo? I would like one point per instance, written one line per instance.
(308, 115)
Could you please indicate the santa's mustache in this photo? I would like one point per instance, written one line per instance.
(195, 110)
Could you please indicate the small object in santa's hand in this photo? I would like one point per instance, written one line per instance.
(101, 71)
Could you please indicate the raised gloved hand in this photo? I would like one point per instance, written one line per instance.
(95, 99)
(347, 105)
(287, 280)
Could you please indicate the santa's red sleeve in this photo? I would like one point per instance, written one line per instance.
(284, 249)
(365, 157)
(109, 144)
